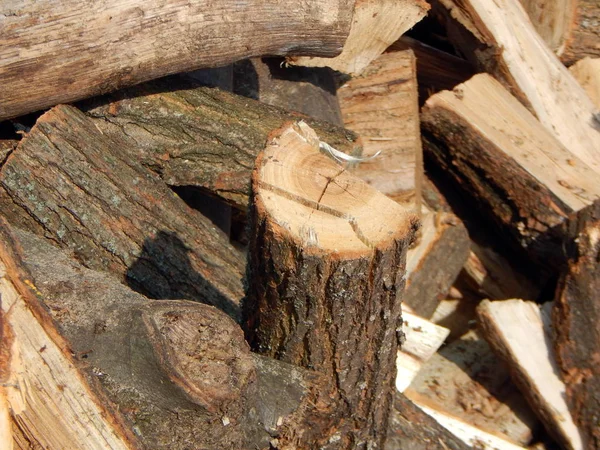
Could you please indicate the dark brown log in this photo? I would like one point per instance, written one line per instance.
(145, 374)
(310, 91)
(198, 136)
(68, 181)
(6, 147)
(50, 56)
(576, 316)
(327, 255)
(522, 179)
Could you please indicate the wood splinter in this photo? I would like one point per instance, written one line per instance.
(327, 262)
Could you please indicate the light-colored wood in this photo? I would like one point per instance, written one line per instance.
(375, 25)
(381, 106)
(520, 332)
(51, 55)
(587, 72)
(553, 20)
(521, 58)
(465, 380)
(49, 400)
(423, 338)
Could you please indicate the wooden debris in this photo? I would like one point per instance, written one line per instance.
(519, 332)
(6, 147)
(375, 25)
(114, 45)
(198, 136)
(422, 340)
(553, 20)
(503, 41)
(584, 40)
(323, 293)
(68, 181)
(587, 72)
(524, 180)
(576, 319)
(464, 380)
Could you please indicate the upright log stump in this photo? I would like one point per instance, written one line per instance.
(327, 264)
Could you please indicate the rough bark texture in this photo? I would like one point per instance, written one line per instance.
(79, 51)
(6, 147)
(522, 178)
(198, 136)
(75, 185)
(585, 35)
(323, 293)
(576, 316)
(310, 91)
(172, 374)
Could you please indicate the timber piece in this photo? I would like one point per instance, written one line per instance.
(163, 374)
(376, 24)
(501, 39)
(308, 90)
(327, 255)
(584, 40)
(523, 180)
(519, 332)
(422, 339)
(381, 106)
(587, 72)
(68, 181)
(412, 429)
(6, 147)
(78, 52)
(436, 70)
(198, 136)
(466, 381)
(576, 316)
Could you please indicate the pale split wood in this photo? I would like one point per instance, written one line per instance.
(519, 331)
(49, 401)
(533, 72)
(587, 72)
(376, 24)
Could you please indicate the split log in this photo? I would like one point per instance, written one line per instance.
(381, 106)
(113, 45)
(197, 136)
(68, 181)
(327, 256)
(376, 24)
(587, 72)
(96, 365)
(308, 90)
(553, 20)
(585, 35)
(576, 316)
(466, 381)
(502, 41)
(523, 180)
(519, 332)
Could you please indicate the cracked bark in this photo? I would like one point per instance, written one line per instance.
(327, 256)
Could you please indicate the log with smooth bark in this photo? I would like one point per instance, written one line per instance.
(95, 365)
(375, 25)
(50, 56)
(575, 319)
(523, 179)
(499, 37)
(198, 136)
(327, 255)
(68, 181)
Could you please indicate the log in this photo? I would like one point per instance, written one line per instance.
(523, 180)
(6, 147)
(326, 260)
(307, 90)
(584, 40)
(500, 38)
(197, 136)
(553, 20)
(114, 45)
(376, 24)
(576, 315)
(68, 181)
(587, 72)
(519, 332)
(96, 365)
(467, 382)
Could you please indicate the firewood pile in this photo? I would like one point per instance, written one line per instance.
(324, 224)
